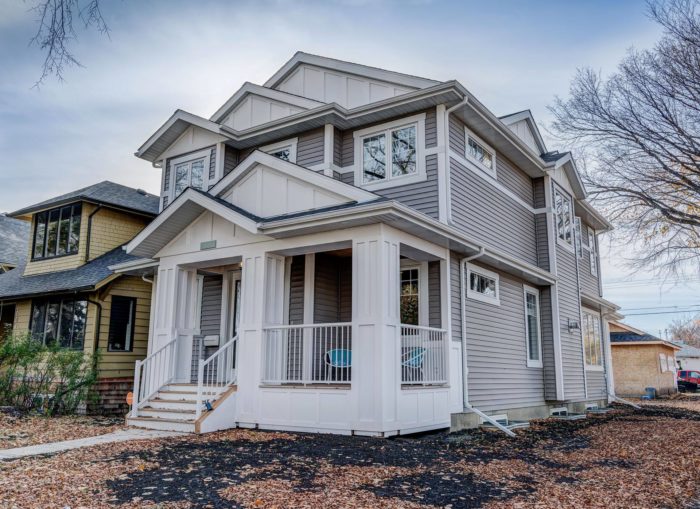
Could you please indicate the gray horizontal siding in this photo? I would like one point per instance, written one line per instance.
(489, 216)
(166, 176)
(296, 290)
(210, 319)
(212, 165)
(431, 128)
(570, 309)
(589, 282)
(549, 371)
(541, 240)
(230, 160)
(514, 179)
(337, 147)
(422, 196)
(596, 384)
(498, 377)
(310, 148)
(455, 297)
(347, 149)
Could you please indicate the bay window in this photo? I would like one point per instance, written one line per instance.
(57, 232)
(59, 321)
(564, 213)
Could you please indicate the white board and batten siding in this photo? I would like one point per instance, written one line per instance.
(347, 90)
(255, 110)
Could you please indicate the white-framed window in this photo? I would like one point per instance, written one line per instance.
(285, 150)
(578, 237)
(482, 285)
(391, 153)
(533, 333)
(479, 152)
(593, 251)
(592, 340)
(413, 292)
(564, 213)
(191, 170)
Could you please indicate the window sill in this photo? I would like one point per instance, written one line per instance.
(534, 365)
(56, 257)
(481, 298)
(392, 182)
(594, 368)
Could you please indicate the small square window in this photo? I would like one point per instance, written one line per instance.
(478, 152)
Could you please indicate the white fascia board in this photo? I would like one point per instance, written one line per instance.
(275, 95)
(141, 263)
(643, 343)
(600, 301)
(593, 216)
(526, 115)
(376, 73)
(201, 199)
(184, 116)
(330, 184)
(569, 165)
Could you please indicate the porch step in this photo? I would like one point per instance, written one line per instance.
(161, 424)
(172, 404)
(165, 413)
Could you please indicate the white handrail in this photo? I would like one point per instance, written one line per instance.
(152, 373)
(219, 370)
(423, 355)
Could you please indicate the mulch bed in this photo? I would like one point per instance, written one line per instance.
(18, 430)
(626, 459)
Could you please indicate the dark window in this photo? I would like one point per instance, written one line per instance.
(409, 296)
(60, 321)
(57, 232)
(121, 324)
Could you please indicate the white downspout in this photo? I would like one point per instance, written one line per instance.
(465, 369)
(446, 148)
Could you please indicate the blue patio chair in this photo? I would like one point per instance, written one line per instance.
(338, 358)
(412, 359)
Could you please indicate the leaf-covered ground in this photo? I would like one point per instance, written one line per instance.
(18, 430)
(625, 459)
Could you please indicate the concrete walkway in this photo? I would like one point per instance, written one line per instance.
(116, 436)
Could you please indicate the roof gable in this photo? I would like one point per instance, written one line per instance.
(524, 126)
(348, 84)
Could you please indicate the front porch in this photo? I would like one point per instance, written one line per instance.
(342, 332)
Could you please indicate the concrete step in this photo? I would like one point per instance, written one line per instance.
(160, 413)
(161, 424)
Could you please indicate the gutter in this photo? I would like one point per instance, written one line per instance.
(465, 368)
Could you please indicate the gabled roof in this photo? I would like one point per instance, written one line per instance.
(15, 240)
(687, 350)
(87, 277)
(276, 95)
(527, 116)
(105, 193)
(367, 71)
(632, 338)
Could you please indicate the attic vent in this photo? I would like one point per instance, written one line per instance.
(141, 191)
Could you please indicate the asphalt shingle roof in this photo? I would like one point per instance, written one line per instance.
(687, 350)
(629, 337)
(105, 192)
(14, 285)
(14, 240)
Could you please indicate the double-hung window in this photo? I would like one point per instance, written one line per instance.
(410, 296)
(533, 334)
(390, 153)
(593, 251)
(478, 152)
(57, 232)
(122, 321)
(592, 340)
(482, 285)
(59, 321)
(564, 214)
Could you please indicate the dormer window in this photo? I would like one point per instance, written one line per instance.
(57, 232)
(191, 170)
(390, 154)
(285, 150)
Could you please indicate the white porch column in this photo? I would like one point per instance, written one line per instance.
(262, 302)
(375, 335)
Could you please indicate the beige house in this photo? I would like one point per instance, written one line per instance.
(641, 360)
(63, 290)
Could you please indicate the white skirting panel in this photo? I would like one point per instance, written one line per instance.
(424, 408)
(306, 409)
(456, 384)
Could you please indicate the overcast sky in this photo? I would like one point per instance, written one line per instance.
(165, 55)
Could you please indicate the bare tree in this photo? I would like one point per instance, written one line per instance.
(56, 31)
(639, 130)
(686, 330)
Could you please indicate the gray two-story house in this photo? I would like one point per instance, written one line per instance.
(354, 250)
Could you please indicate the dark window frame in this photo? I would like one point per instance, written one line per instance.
(133, 301)
(75, 210)
(47, 302)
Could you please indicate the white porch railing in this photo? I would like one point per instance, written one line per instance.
(152, 373)
(424, 355)
(307, 354)
(218, 371)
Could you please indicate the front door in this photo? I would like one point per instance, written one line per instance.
(234, 303)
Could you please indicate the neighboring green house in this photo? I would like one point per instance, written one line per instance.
(64, 290)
